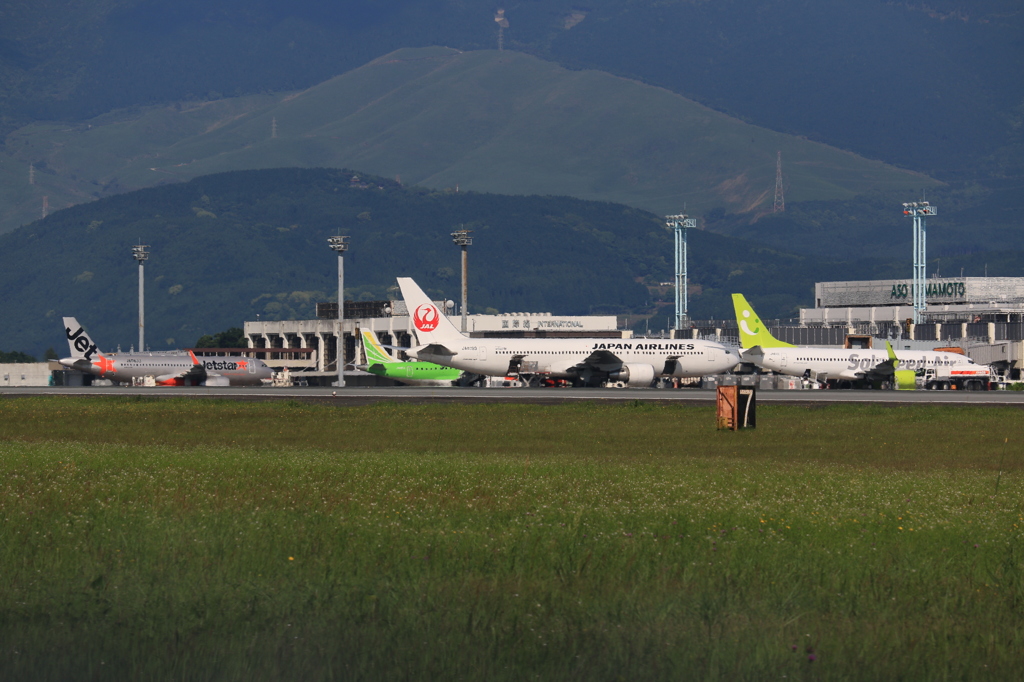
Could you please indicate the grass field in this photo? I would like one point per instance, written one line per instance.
(195, 540)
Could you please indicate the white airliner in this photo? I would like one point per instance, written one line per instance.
(167, 369)
(589, 362)
(845, 364)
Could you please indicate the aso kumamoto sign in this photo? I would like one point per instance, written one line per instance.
(932, 290)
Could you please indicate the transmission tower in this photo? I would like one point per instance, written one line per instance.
(46, 206)
(780, 200)
(31, 174)
(273, 128)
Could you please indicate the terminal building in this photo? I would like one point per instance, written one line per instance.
(982, 315)
(959, 300)
(310, 346)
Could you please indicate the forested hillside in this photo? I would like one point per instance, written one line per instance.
(228, 247)
(973, 220)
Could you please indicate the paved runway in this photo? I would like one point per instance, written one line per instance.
(362, 396)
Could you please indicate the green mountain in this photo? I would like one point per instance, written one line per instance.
(228, 247)
(487, 121)
(934, 86)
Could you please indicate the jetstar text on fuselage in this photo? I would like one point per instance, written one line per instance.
(224, 365)
(644, 346)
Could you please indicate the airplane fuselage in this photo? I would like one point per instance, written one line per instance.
(415, 373)
(166, 368)
(844, 363)
(562, 357)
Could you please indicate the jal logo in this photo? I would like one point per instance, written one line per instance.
(425, 318)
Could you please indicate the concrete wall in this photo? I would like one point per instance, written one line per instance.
(25, 374)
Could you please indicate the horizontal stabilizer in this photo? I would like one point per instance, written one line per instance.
(436, 349)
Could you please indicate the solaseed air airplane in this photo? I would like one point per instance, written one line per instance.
(167, 369)
(589, 362)
(380, 362)
(822, 364)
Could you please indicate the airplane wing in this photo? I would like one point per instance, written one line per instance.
(754, 355)
(904, 379)
(884, 370)
(195, 372)
(889, 370)
(601, 361)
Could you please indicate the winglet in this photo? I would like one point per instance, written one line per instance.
(905, 379)
(195, 360)
(753, 332)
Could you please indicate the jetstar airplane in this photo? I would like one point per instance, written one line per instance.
(587, 362)
(380, 362)
(856, 365)
(167, 369)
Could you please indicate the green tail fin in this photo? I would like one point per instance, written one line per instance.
(753, 332)
(375, 353)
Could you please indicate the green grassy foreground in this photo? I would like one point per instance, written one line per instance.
(218, 540)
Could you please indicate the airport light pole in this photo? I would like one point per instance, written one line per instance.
(462, 238)
(140, 254)
(679, 224)
(918, 210)
(339, 245)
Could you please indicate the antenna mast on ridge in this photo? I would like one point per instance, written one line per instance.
(780, 200)
(502, 25)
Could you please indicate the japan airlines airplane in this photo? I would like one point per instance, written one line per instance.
(167, 369)
(847, 364)
(588, 362)
(380, 362)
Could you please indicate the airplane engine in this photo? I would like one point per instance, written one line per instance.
(635, 376)
(216, 380)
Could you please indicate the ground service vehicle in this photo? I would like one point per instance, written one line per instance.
(962, 378)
